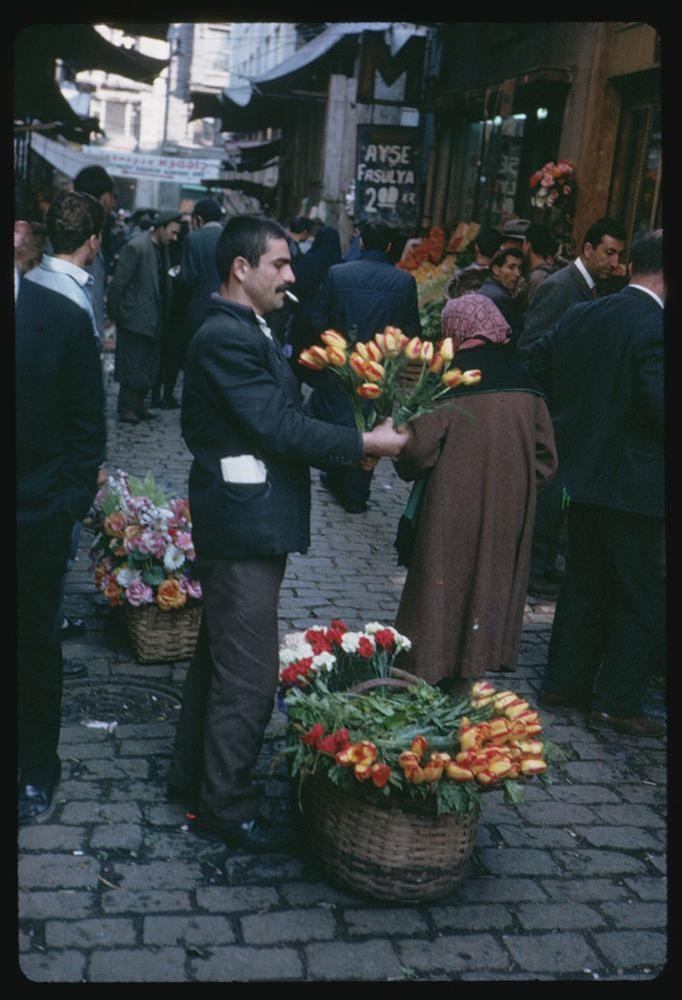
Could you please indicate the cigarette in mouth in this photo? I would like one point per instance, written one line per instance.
(290, 295)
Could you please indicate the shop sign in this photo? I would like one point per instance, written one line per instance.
(387, 174)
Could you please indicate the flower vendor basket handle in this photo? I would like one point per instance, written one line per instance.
(385, 853)
(163, 636)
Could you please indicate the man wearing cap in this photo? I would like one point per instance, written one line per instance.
(198, 268)
(139, 303)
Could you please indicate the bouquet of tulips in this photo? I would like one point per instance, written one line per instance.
(372, 371)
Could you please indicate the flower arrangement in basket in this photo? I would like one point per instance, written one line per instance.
(143, 560)
(388, 771)
(373, 373)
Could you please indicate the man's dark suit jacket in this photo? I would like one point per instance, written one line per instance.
(199, 271)
(557, 293)
(240, 398)
(136, 302)
(602, 368)
(368, 294)
(60, 428)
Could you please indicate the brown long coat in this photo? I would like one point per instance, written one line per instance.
(463, 601)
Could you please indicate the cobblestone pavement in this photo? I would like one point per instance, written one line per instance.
(568, 885)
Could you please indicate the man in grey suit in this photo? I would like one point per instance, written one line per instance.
(139, 302)
(577, 282)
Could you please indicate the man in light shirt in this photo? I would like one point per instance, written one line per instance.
(74, 225)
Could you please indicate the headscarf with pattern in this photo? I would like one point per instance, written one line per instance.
(472, 320)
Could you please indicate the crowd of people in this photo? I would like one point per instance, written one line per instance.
(571, 400)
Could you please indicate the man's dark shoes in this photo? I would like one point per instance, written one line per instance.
(71, 627)
(36, 793)
(73, 668)
(170, 404)
(550, 699)
(182, 796)
(146, 415)
(544, 586)
(256, 836)
(354, 507)
(128, 417)
(633, 725)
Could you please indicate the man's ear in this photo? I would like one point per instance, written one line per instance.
(240, 268)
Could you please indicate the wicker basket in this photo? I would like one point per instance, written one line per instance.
(161, 636)
(384, 853)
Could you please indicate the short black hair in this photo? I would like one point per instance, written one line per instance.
(207, 209)
(71, 219)
(488, 241)
(499, 258)
(540, 239)
(93, 180)
(245, 236)
(604, 227)
(300, 224)
(376, 235)
(647, 252)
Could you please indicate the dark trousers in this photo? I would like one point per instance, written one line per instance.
(547, 530)
(230, 688)
(42, 551)
(609, 627)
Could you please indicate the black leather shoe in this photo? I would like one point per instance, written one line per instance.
(155, 404)
(146, 415)
(71, 627)
(633, 725)
(170, 404)
(352, 507)
(73, 668)
(181, 796)
(127, 417)
(35, 797)
(255, 836)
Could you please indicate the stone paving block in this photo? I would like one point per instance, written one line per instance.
(584, 794)
(141, 965)
(551, 953)
(520, 861)
(658, 861)
(373, 960)
(598, 772)
(455, 953)
(116, 770)
(632, 949)
(648, 794)
(632, 815)
(564, 916)
(51, 837)
(108, 932)
(142, 791)
(247, 869)
(59, 967)
(111, 835)
(143, 748)
(316, 924)
(50, 871)
(618, 836)
(187, 930)
(584, 890)
(474, 917)
(652, 888)
(100, 812)
(499, 890)
(238, 964)
(157, 875)
(73, 789)
(629, 914)
(145, 901)
(145, 730)
(59, 903)
(550, 813)
(587, 863)
(398, 920)
(536, 836)
(312, 893)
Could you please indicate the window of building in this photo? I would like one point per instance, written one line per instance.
(635, 195)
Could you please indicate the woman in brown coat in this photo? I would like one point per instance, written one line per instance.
(486, 452)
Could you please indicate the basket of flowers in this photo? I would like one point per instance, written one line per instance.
(387, 771)
(143, 562)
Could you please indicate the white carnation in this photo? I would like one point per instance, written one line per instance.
(173, 558)
(350, 640)
(125, 576)
(324, 661)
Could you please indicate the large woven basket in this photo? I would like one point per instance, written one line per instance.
(384, 853)
(162, 636)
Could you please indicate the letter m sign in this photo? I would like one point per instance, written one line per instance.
(390, 79)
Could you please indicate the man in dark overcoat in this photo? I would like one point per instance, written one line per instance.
(60, 435)
(249, 492)
(139, 303)
(360, 297)
(602, 366)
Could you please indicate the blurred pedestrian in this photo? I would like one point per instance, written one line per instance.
(310, 269)
(602, 365)
(538, 247)
(481, 456)
(501, 287)
(198, 267)
(95, 181)
(139, 302)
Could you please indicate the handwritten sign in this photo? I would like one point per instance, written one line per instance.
(387, 174)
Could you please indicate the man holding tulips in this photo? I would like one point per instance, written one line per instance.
(249, 491)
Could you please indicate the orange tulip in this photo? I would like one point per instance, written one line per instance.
(432, 772)
(374, 372)
(380, 774)
(380, 341)
(332, 338)
(368, 390)
(472, 377)
(419, 745)
(374, 351)
(458, 773)
(336, 356)
(451, 378)
(310, 360)
(533, 765)
(357, 363)
(392, 345)
(361, 349)
(413, 349)
(427, 352)
(447, 352)
(436, 365)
